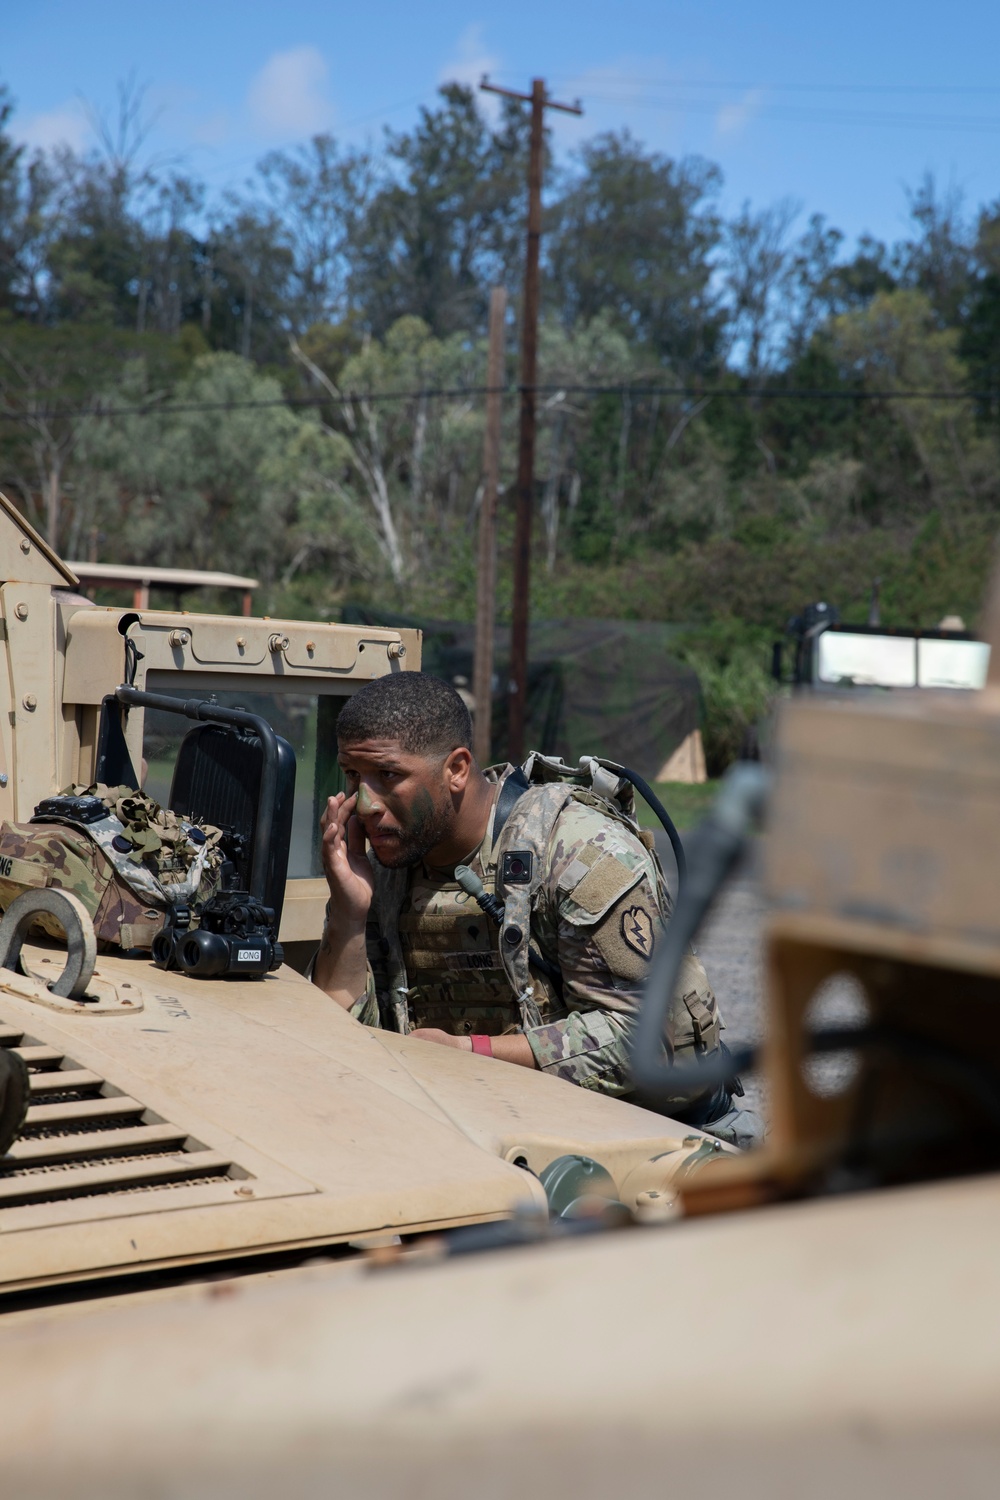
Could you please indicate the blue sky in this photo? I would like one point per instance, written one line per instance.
(838, 107)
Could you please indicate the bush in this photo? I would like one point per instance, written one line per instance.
(737, 690)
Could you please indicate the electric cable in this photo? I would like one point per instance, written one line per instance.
(792, 393)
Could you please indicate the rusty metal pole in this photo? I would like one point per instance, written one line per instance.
(518, 673)
(486, 581)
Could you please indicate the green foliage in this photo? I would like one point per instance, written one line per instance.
(733, 665)
(633, 240)
(686, 802)
(339, 272)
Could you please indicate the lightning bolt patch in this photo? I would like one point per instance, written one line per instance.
(637, 930)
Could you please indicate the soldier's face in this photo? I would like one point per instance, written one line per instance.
(404, 802)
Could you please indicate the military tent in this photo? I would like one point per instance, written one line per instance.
(595, 687)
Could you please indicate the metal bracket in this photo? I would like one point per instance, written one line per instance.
(71, 914)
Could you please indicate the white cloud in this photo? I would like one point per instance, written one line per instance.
(471, 58)
(733, 119)
(469, 61)
(212, 130)
(289, 96)
(66, 125)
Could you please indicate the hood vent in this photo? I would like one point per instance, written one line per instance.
(84, 1137)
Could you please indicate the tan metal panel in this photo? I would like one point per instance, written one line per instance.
(70, 1110)
(25, 556)
(33, 1153)
(861, 1332)
(66, 1078)
(72, 1180)
(344, 1131)
(304, 909)
(35, 696)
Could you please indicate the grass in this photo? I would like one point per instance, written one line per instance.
(687, 804)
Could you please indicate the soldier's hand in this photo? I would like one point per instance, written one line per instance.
(443, 1038)
(345, 864)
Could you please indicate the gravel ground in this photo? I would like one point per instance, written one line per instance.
(729, 947)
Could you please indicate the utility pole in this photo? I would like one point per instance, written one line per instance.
(518, 684)
(486, 580)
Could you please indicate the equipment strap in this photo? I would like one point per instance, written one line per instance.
(511, 793)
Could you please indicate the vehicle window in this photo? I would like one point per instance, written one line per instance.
(953, 664)
(866, 660)
(307, 722)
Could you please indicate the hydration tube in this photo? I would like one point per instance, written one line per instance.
(646, 791)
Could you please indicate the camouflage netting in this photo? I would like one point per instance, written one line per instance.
(595, 687)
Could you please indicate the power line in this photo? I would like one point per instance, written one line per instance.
(799, 88)
(727, 393)
(828, 116)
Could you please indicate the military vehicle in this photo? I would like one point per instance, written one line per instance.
(829, 654)
(262, 1289)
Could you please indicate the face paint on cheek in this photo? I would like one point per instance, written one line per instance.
(422, 815)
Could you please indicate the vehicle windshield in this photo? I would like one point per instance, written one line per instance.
(308, 723)
(848, 659)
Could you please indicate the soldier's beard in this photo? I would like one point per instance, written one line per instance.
(426, 825)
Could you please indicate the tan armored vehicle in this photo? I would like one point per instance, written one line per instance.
(178, 1121)
(838, 1334)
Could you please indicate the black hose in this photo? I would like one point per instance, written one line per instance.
(646, 791)
(978, 1081)
(720, 842)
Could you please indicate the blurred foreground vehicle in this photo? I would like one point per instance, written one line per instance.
(820, 1317)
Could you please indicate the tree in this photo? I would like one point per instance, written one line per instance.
(938, 258)
(320, 195)
(757, 265)
(11, 157)
(414, 459)
(249, 267)
(632, 237)
(51, 379)
(449, 221)
(896, 346)
(205, 478)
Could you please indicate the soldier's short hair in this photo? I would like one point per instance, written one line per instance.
(424, 713)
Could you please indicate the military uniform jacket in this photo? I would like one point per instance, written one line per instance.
(597, 914)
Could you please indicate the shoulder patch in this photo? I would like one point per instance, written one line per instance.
(626, 936)
(637, 930)
(604, 883)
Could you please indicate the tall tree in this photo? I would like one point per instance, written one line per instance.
(633, 235)
(757, 267)
(320, 195)
(448, 223)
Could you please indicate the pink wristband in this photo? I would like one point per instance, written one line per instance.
(483, 1045)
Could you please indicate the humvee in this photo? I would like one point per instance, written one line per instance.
(830, 654)
(177, 1123)
(239, 1239)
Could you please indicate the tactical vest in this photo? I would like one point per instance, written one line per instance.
(446, 963)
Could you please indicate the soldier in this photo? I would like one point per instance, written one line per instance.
(406, 945)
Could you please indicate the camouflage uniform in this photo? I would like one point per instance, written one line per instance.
(435, 959)
(126, 889)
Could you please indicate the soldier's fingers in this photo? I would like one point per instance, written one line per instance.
(331, 809)
(333, 837)
(355, 836)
